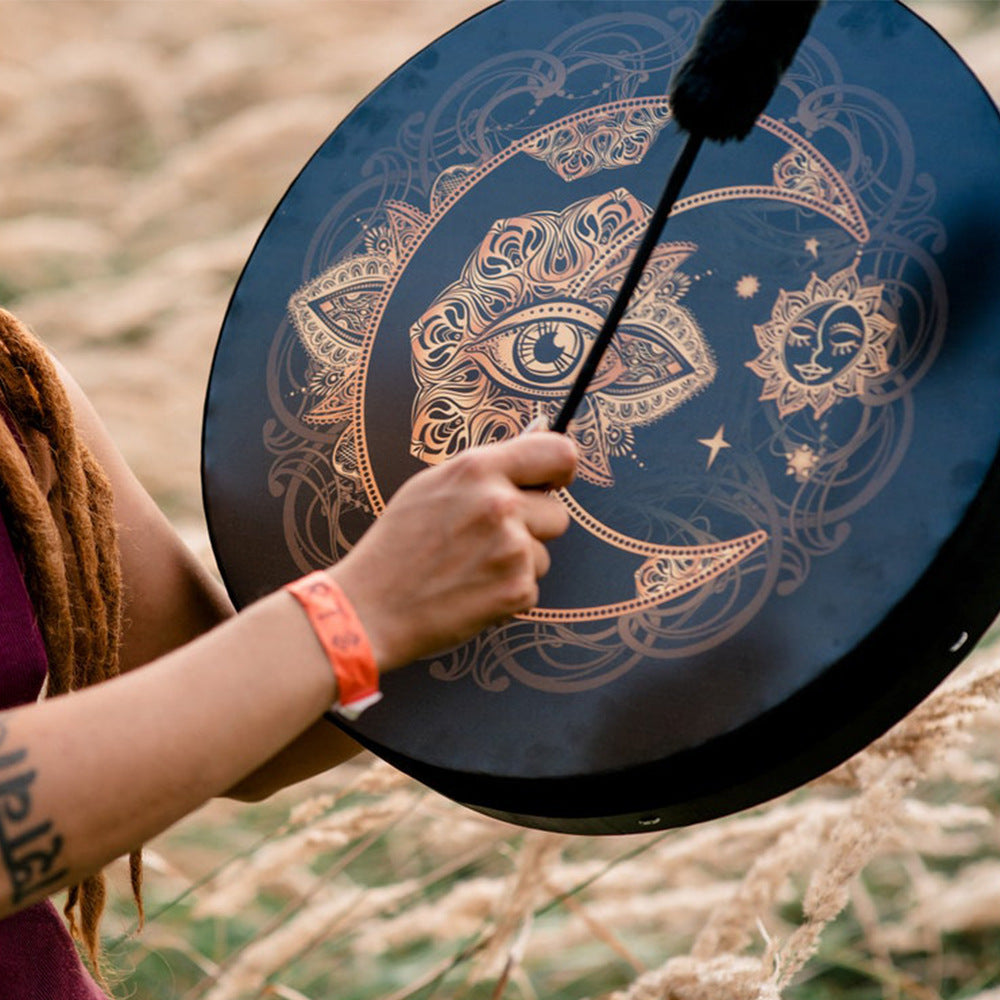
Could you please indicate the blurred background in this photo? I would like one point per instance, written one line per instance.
(143, 145)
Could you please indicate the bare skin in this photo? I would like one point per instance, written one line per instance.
(237, 710)
(171, 599)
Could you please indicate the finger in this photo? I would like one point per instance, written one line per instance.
(543, 561)
(544, 516)
(538, 459)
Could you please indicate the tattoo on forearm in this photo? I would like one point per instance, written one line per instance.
(29, 850)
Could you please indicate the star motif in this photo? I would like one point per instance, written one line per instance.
(715, 444)
(801, 463)
(748, 286)
(812, 246)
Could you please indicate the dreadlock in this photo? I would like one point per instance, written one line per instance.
(68, 545)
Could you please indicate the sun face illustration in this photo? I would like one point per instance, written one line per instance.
(827, 342)
(747, 286)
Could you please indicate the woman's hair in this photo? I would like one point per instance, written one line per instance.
(68, 546)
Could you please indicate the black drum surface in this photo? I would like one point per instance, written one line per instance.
(784, 530)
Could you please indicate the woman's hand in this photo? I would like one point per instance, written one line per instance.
(460, 546)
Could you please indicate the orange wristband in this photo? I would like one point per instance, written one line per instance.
(343, 639)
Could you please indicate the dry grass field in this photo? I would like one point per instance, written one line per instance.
(142, 146)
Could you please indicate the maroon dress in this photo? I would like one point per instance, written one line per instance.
(38, 960)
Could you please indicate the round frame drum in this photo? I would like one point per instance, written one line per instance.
(784, 530)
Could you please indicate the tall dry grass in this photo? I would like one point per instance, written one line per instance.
(142, 145)
(373, 886)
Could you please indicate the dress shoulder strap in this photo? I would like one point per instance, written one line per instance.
(23, 661)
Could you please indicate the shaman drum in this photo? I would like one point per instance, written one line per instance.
(785, 528)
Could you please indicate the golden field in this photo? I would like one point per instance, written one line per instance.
(143, 145)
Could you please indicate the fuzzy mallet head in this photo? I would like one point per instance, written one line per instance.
(741, 51)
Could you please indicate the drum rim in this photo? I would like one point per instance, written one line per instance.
(970, 543)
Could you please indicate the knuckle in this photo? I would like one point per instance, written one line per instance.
(520, 593)
(496, 505)
(467, 465)
(514, 543)
(518, 569)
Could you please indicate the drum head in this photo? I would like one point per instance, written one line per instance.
(784, 530)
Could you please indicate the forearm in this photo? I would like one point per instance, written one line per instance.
(91, 775)
(87, 777)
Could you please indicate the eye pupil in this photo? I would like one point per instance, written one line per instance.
(548, 349)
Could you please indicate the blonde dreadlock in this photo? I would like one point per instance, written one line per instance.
(68, 545)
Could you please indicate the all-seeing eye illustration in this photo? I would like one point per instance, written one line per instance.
(503, 344)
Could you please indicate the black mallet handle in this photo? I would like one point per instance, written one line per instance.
(723, 84)
(678, 175)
